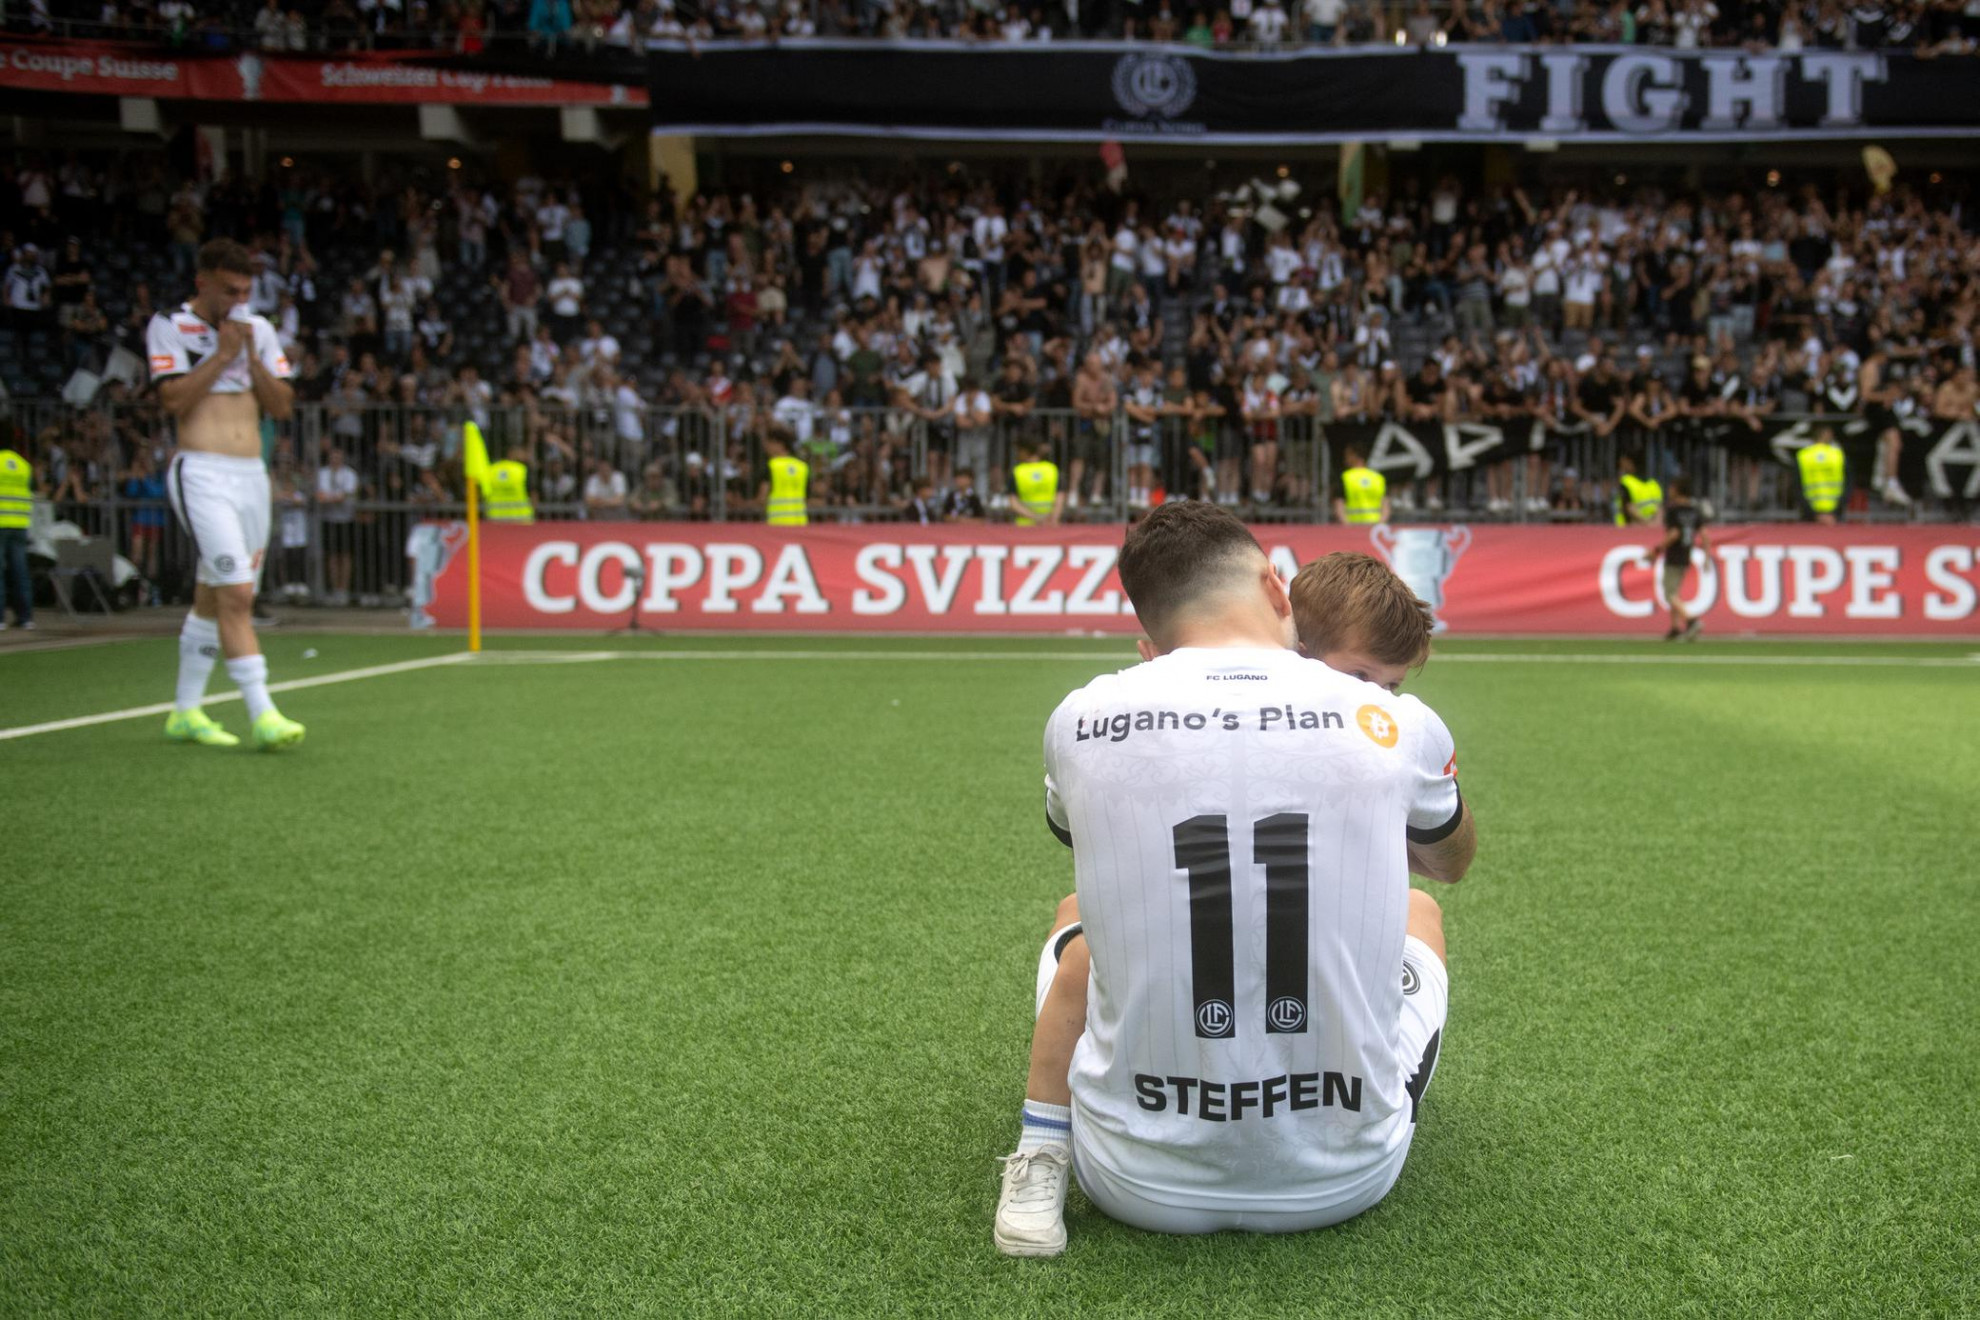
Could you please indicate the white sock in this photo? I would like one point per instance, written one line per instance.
(250, 675)
(1044, 1125)
(199, 647)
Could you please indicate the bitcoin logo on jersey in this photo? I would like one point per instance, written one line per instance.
(1379, 725)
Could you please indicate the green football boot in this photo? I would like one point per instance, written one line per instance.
(274, 731)
(196, 726)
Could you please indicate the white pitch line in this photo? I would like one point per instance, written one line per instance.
(1508, 657)
(592, 657)
(1898, 661)
(292, 685)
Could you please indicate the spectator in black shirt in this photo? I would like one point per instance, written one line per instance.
(1601, 399)
(963, 504)
(1698, 397)
(922, 508)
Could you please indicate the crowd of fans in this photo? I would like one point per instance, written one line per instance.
(639, 351)
(469, 26)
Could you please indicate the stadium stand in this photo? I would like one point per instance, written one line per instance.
(1937, 27)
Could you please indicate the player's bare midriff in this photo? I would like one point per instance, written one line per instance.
(227, 424)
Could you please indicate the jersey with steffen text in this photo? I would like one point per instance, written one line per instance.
(1238, 820)
(179, 340)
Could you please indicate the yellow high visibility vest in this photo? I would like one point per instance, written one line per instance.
(789, 478)
(1362, 492)
(505, 487)
(1638, 500)
(16, 489)
(1037, 489)
(1821, 476)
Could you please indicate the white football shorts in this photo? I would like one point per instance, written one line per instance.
(222, 502)
(1426, 1003)
(1048, 961)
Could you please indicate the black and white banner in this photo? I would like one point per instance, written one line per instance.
(1094, 91)
(1938, 459)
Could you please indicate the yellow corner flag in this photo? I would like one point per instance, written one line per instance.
(474, 462)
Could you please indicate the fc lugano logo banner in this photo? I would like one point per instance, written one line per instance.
(1757, 579)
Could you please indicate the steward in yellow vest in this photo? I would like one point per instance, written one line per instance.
(16, 490)
(16, 503)
(1821, 467)
(783, 495)
(1638, 499)
(1364, 497)
(1037, 483)
(505, 490)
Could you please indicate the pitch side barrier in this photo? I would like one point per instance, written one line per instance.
(705, 464)
(1757, 578)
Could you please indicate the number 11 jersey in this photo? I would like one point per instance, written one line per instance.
(1238, 819)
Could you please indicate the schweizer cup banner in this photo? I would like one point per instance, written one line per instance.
(1778, 579)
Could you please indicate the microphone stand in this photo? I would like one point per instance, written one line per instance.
(635, 574)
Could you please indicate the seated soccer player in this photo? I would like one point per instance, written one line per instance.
(1353, 614)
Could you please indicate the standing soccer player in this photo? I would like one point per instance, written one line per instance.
(219, 369)
(1267, 993)
(1684, 530)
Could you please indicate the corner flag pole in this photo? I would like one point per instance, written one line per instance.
(475, 466)
(474, 570)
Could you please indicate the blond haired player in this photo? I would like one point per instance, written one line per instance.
(1354, 614)
(219, 369)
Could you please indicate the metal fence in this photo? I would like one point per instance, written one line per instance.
(103, 468)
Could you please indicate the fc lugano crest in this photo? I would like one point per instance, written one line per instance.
(1160, 85)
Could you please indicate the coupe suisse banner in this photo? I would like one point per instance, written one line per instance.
(1758, 579)
(371, 77)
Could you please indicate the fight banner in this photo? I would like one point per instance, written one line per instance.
(1759, 579)
(367, 77)
(1108, 91)
(1938, 459)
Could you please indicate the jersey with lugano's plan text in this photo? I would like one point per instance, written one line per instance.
(1239, 820)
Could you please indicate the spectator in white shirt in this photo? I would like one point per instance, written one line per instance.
(1323, 19)
(551, 217)
(28, 288)
(628, 409)
(796, 412)
(566, 295)
(604, 491)
(1268, 24)
(336, 497)
(597, 347)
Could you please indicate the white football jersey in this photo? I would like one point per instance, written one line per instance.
(177, 341)
(1238, 819)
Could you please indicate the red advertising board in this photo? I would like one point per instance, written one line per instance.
(1757, 579)
(367, 77)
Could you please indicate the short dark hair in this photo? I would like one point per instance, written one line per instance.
(1175, 554)
(1681, 487)
(225, 254)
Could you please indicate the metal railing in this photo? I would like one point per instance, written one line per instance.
(101, 470)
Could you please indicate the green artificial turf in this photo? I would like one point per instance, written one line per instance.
(703, 987)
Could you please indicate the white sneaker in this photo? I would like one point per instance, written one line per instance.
(1894, 493)
(1031, 1208)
